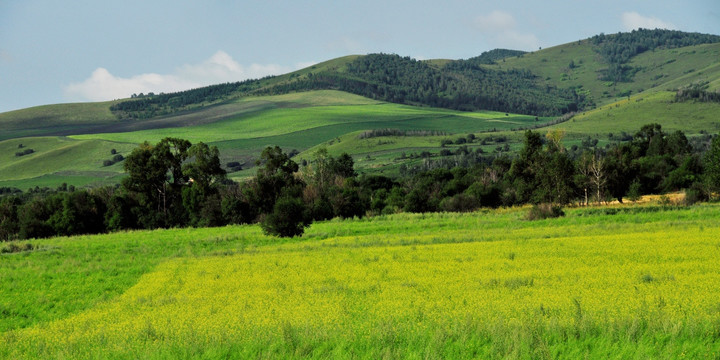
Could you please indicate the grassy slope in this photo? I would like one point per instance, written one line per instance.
(630, 114)
(58, 158)
(659, 70)
(293, 121)
(409, 285)
(384, 154)
(47, 119)
(310, 110)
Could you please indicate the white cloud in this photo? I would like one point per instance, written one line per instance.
(501, 28)
(633, 20)
(219, 68)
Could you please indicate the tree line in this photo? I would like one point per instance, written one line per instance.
(175, 183)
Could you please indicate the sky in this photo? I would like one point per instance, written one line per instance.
(74, 51)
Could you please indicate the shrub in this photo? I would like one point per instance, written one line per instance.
(287, 218)
(695, 194)
(24, 152)
(544, 211)
(16, 247)
(460, 203)
(236, 166)
(634, 193)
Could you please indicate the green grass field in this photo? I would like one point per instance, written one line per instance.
(319, 114)
(58, 159)
(630, 114)
(625, 282)
(48, 119)
(240, 129)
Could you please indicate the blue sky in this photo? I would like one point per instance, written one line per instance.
(68, 51)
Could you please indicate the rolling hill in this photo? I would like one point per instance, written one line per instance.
(615, 83)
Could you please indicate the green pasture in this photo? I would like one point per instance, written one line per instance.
(48, 119)
(288, 120)
(241, 129)
(630, 114)
(59, 155)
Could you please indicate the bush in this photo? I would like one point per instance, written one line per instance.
(695, 194)
(24, 152)
(287, 218)
(16, 247)
(460, 203)
(544, 211)
(634, 191)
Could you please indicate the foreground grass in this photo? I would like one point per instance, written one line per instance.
(636, 282)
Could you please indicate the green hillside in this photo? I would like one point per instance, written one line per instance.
(55, 119)
(57, 160)
(294, 121)
(631, 85)
(630, 114)
(658, 70)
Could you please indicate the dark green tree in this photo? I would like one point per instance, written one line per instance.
(712, 165)
(287, 218)
(522, 175)
(9, 217)
(275, 176)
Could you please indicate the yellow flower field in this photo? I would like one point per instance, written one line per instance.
(519, 293)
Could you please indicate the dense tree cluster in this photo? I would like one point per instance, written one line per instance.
(398, 132)
(618, 49)
(697, 94)
(493, 56)
(462, 85)
(175, 183)
(147, 106)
